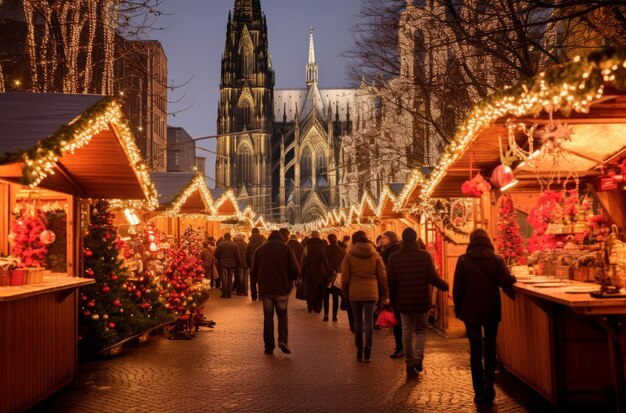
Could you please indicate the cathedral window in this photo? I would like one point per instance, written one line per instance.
(306, 170)
(320, 163)
(246, 63)
(245, 167)
(246, 115)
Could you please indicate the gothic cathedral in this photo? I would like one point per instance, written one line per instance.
(293, 154)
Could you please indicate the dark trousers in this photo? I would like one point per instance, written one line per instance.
(397, 332)
(314, 295)
(254, 291)
(227, 281)
(481, 376)
(335, 292)
(243, 274)
(271, 304)
(363, 317)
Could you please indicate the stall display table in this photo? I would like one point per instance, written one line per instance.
(38, 344)
(567, 347)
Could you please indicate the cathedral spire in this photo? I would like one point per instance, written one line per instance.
(248, 10)
(311, 66)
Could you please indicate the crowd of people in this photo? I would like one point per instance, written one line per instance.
(362, 277)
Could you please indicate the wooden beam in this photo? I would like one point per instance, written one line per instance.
(69, 178)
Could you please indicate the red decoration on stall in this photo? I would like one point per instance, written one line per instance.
(509, 240)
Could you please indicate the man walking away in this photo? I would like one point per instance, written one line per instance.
(227, 255)
(255, 241)
(333, 257)
(275, 267)
(296, 247)
(411, 270)
(284, 232)
(479, 275)
(313, 273)
(243, 272)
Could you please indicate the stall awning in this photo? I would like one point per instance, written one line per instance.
(183, 193)
(76, 144)
(589, 96)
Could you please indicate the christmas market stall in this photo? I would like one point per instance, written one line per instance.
(543, 164)
(57, 152)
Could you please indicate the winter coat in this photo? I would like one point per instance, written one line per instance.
(242, 245)
(227, 254)
(333, 257)
(363, 273)
(479, 275)
(208, 262)
(297, 248)
(387, 251)
(275, 267)
(312, 260)
(410, 272)
(255, 241)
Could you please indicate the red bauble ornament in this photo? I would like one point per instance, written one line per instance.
(87, 313)
(88, 252)
(145, 305)
(91, 304)
(117, 303)
(111, 324)
(113, 277)
(89, 272)
(47, 237)
(83, 298)
(105, 289)
(502, 176)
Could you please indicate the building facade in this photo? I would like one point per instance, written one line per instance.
(181, 150)
(141, 82)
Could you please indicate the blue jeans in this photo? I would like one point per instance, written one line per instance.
(273, 303)
(414, 326)
(363, 313)
(244, 275)
(227, 281)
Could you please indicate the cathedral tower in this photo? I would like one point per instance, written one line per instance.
(244, 160)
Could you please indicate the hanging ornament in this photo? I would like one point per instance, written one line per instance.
(87, 252)
(554, 135)
(95, 317)
(47, 237)
(11, 237)
(502, 176)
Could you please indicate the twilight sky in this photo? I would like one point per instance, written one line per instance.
(194, 41)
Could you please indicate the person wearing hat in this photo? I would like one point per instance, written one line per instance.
(411, 270)
(479, 275)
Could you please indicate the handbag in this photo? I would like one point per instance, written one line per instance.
(386, 319)
(300, 290)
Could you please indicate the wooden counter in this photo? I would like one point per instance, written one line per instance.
(565, 346)
(38, 344)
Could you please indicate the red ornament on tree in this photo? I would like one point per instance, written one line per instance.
(105, 289)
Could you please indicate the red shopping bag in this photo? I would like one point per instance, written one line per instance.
(386, 319)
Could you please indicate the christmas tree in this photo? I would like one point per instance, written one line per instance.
(25, 238)
(508, 239)
(107, 312)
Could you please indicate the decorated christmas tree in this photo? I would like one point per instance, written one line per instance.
(107, 312)
(509, 241)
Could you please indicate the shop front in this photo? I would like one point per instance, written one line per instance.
(543, 165)
(48, 174)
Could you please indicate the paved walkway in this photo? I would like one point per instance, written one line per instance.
(225, 370)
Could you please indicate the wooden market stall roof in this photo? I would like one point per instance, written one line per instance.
(590, 96)
(76, 144)
(183, 193)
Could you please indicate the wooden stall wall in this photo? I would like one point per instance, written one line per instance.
(37, 365)
(5, 213)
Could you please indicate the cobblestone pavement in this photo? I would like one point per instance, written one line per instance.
(225, 370)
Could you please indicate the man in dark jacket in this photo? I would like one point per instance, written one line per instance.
(227, 254)
(389, 243)
(313, 273)
(243, 271)
(275, 267)
(479, 275)
(296, 247)
(255, 241)
(333, 258)
(411, 270)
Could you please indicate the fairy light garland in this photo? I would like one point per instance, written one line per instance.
(40, 161)
(196, 184)
(569, 87)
